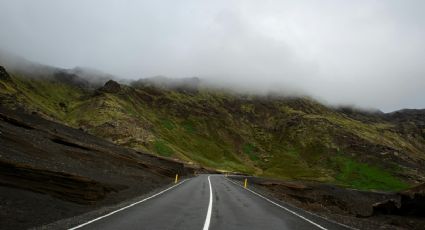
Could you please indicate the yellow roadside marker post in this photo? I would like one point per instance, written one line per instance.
(246, 183)
(177, 179)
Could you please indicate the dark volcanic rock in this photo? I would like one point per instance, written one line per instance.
(110, 87)
(3, 74)
(413, 201)
(410, 202)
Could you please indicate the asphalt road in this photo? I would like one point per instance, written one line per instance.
(186, 206)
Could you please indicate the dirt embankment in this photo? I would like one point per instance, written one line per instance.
(49, 171)
(359, 209)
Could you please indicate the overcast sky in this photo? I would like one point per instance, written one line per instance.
(367, 53)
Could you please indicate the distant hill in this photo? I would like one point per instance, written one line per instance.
(272, 136)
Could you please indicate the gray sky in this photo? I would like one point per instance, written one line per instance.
(365, 52)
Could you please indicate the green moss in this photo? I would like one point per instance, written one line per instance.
(293, 153)
(363, 176)
(189, 126)
(167, 124)
(248, 149)
(162, 148)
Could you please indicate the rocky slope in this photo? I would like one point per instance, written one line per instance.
(272, 136)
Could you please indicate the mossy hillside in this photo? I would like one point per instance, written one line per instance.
(47, 96)
(291, 138)
(282, 162)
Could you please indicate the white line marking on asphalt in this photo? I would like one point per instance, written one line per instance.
(128, 206)
(208, 219)
(286, 209)
(324, 218)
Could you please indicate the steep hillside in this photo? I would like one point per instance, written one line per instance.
(273, 136)
(49, 171)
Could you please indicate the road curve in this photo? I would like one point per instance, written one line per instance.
(186, 206)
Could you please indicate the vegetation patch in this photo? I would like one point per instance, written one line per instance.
(247, 108)
(189, 126)
(248, 149)
(162, 148)
(167, 124)
(288, 165)
(363, 176)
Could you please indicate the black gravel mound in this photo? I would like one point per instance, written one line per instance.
(49, 171)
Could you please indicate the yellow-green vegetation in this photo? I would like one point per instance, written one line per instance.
(291, 138)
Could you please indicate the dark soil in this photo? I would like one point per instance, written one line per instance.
(49, 171)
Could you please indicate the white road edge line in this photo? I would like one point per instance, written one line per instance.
(208, 218)
(280, 206)
(326, 219)
(128, 206)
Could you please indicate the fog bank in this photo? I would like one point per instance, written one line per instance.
(366, 53)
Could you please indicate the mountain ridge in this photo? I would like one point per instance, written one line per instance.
(267, 135)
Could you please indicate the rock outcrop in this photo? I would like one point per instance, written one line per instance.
(110, 86)
(3, 74)
(410, 202)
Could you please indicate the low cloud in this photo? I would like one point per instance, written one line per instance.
(366, 53)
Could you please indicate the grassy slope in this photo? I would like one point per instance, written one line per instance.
(284, 138)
